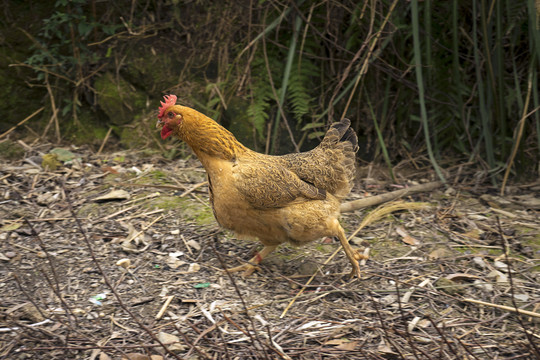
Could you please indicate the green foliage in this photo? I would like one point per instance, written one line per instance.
(61, 46)
(261, 94)
(300, 89)
(318, 62)
(61, 52)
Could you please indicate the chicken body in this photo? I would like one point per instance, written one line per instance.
(273, 199)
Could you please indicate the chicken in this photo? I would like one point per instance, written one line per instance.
(291, 198)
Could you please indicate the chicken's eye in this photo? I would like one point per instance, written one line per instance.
(170, 115)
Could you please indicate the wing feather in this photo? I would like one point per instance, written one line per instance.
(265, 184)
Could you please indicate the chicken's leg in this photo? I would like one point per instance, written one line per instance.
(251, 265)
(352, 254)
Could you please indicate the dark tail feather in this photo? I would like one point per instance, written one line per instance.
(351, 137)
(341, 132)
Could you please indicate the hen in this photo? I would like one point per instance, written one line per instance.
(291, 198)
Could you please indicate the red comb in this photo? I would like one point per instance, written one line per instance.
(170, 100)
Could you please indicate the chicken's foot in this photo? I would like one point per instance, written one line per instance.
(250, 267)
(352, 254)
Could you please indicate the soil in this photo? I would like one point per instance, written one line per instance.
(117, 256)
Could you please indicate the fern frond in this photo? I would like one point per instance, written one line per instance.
(258, 110)
(300, 84)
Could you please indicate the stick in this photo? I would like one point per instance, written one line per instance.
(379, 199)
(504, 307)
(164, 307)
(104, 141)
(23, 121)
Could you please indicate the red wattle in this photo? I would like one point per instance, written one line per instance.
(165, 132)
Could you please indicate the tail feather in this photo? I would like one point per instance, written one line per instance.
(331, 165)
(341, 132)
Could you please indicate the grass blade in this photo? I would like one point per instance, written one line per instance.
(420, 83)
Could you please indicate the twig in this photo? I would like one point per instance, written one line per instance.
(104, 141)
(164, 307)
(388, 338)
(146, 227)
(504, 307)
(46, 321)
(110, 285)
(193, 188)
(56, 288)
(172, 187)
(519, 135)
(54, 116)
(242, 301)
(408, 336)
(190, 344)
(382, 198)
(23, 121)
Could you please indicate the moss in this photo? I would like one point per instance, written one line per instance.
(87, 130)
(50, 162)
(186, 208)
(18, 99)
(10, 150)
(325, 248)
(131, 138)
(150, 72)
(114, 93)
(157, 175)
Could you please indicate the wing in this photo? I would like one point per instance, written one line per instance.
(267, 184)
(331, 165)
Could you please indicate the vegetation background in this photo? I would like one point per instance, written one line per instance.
(424, 82)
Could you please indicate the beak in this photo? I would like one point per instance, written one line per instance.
(159, 124)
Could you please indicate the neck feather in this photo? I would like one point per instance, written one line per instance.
(207, 138)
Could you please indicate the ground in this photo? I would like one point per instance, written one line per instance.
(117, 255)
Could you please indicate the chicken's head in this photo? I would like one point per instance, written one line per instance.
(168, 119)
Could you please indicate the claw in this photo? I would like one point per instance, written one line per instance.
(355, 272)
(247, 268)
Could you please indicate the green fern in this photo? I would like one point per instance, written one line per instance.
(298, 93)
(258, 110)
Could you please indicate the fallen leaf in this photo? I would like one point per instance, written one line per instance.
(438, 254)
(473, 234)
(405, 237)
(136, 356)
(113, 195)
(480, 262)
(194, 267)
(125, 263)
(201, 285)
(462, 277)
(499, 276)
(521, 297)
(172, 341)
(349, 346)
(11, 227)
(385, 349)
(103, 356)
(63, 155)
(194, 244)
